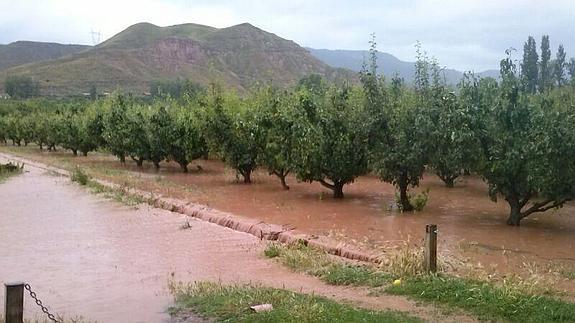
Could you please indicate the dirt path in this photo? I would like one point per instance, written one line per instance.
(111, 263)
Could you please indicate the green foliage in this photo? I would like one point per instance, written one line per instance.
(158, 134)
(272, 250)
(400, 159)
(559, 66)
(186, 141)
(529, 66)
(419, 201)
(330, 145)
(10, 169)
(21, 87)
(486, 301)
(299, 257)
(232, 304)
(79, 176)
(545, 67)
(115, 132)
(275, 123)
(528, 149)
(178, 88)
(231, 130)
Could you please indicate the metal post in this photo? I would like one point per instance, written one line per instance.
(14, 304)
(431, 248)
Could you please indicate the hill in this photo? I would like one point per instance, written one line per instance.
(23, 52)
(353, 60)
(238, 56)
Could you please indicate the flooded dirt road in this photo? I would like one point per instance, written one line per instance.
(88, 256)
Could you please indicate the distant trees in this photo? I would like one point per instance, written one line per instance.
(559, 66)
(545, 68)
(571, 69)
(175, 88)
(529, 66)
(21, 87)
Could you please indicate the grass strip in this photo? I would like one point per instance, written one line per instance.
(485, 300)
(231, 303)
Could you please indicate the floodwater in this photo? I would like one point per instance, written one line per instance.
(84, 255)
(469, 223)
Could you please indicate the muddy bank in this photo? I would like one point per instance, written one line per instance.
(85, 255)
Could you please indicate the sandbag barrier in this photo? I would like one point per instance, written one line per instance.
(259, 229)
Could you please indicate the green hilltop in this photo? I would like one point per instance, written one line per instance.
(237, 56)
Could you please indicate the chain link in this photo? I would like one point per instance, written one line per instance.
(39, 303)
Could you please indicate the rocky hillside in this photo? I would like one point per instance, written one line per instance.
(239, 56)
(24, 52)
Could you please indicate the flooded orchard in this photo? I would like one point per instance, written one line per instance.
(470, 224)
(84, 255)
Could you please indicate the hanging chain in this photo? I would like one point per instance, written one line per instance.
(39, 303)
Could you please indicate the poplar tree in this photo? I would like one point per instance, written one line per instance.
(545, 68)
(559, 67)
(529, 68)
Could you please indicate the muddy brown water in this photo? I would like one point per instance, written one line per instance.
(85, 255)
(470, 224)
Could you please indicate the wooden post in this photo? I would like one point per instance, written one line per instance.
(431, 248)
(14, 304)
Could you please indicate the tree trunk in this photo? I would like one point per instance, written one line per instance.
(282, 176)
(283, 181)
(140, 162)
(184, 166)
(403, 197)
(338, 190)
(247, 174)
(85, 153)
(156, 164)
(75, 152)
(40, 146)
(515, 215)
(448, 179)
(122, 159)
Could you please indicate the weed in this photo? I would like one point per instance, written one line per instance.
(10, 169)
(79, 176)
(272, 250)
(418, 201)
(232, 303)
(186, 226)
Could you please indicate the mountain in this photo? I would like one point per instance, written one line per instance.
(23, 52)
(353, 60)
(238, 56)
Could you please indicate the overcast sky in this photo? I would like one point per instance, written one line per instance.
(462, 34)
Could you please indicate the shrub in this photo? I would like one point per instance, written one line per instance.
(79, 176)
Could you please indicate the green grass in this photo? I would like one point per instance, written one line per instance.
(510, 301)
(79, 176)
(305, 259)
(486, 300)
(9, 170)
(232, 304)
